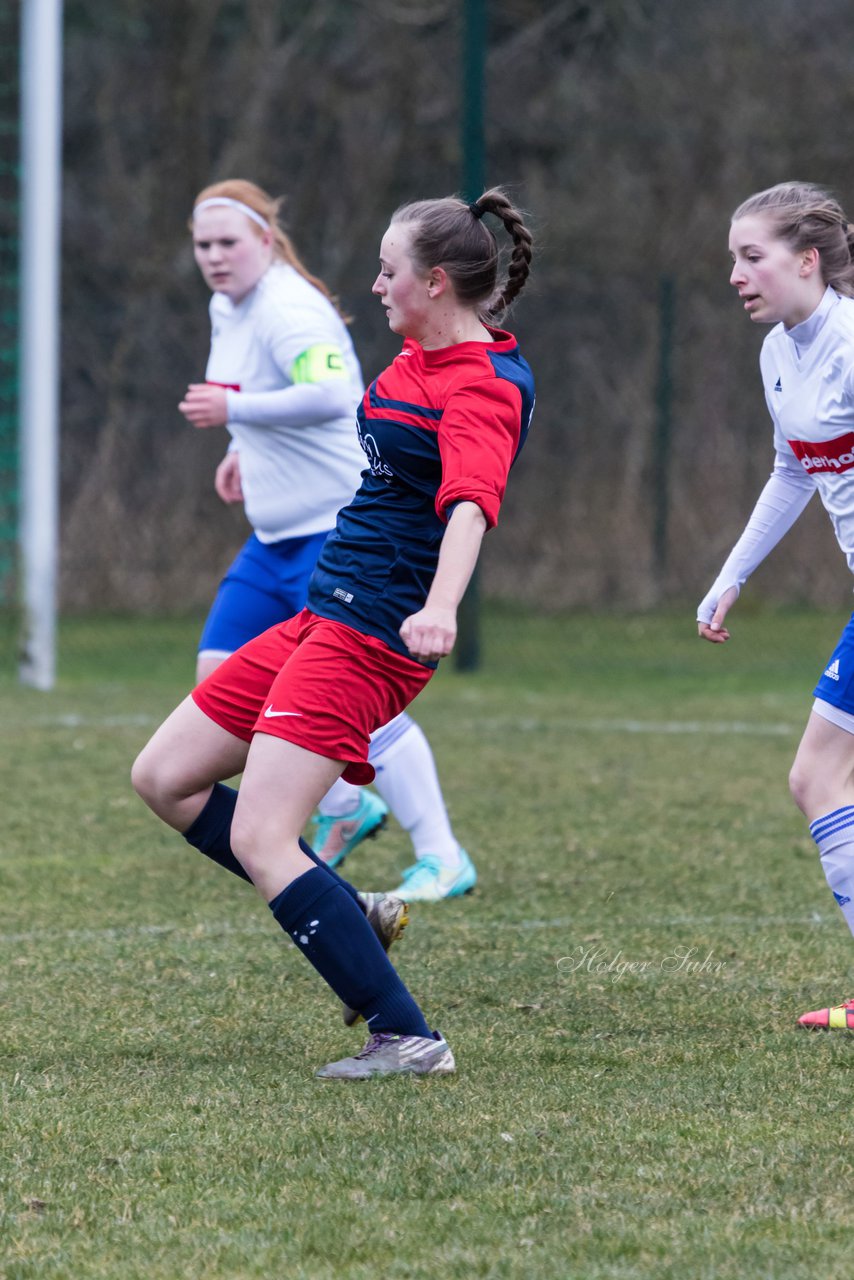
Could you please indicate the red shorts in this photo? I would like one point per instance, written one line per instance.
(316, 683)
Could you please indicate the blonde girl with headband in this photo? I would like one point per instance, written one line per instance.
(293, 709)
(284, 379)
(791, 248)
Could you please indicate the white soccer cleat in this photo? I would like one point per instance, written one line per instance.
(388, 1054)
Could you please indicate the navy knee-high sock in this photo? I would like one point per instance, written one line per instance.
(211, 831)
(335, 937)
(211, 835)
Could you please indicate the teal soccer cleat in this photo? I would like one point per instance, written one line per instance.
(334, 838)
(430, 881)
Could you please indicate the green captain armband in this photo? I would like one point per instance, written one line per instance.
(319, 364)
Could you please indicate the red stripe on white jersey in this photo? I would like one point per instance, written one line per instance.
(835, 455)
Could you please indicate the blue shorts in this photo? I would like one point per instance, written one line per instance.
(836, 686)
(266, 584)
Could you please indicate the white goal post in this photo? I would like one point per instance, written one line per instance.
(41, 173)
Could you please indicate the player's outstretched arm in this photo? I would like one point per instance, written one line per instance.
(715, 630)
(430, 633)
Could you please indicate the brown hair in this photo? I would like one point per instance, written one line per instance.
(808, 217)
(268, 207)
(451, 234)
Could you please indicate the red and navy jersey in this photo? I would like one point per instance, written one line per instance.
(438, 427)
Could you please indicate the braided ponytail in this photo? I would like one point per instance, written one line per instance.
(495, 201)
(451, 234)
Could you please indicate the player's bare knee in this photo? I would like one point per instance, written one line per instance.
(816, 791)
(256, 840)
(801, 786)
(152, 779)
(142, 776)
(245, 842)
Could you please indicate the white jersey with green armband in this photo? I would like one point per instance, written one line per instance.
(293, 385)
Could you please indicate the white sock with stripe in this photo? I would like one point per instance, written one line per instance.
(834, 835)
(408, 782)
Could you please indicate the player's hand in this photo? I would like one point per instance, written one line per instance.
(227, 479)
(430, 633)
(205, 405)
(715, 630)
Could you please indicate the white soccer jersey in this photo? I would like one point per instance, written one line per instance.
(808, 376)
(300, 457)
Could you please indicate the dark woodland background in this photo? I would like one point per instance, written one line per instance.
(629, 129)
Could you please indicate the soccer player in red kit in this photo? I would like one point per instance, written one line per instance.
(293, 710)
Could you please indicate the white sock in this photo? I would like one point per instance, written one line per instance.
(408, 782)
(341, 800)
(834, 835)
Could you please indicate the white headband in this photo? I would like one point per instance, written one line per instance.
(233, 204)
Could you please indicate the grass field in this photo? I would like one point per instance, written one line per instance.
(633, 1099)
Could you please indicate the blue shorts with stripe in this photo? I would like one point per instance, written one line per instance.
(266, 584)
(836, 686)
